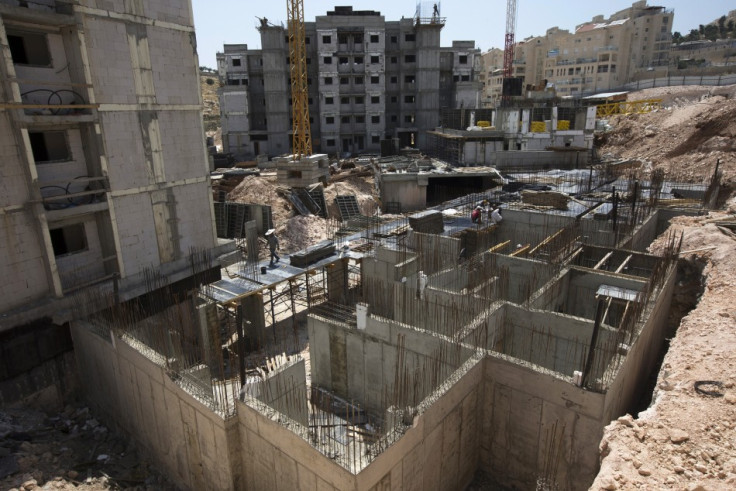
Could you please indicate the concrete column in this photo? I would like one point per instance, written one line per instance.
(337, 281)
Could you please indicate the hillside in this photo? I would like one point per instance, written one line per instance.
(695, 128)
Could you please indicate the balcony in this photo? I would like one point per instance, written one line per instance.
(54, 103)
(73, 197)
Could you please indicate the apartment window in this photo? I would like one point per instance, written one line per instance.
(236, 61)
(29, 49)
(409, 99)
(344, 81)
(68, 240)
(394, 39)
(374, 38)
(327, 60)
(358, 80)
(462, 59)
(345, 119)
(310, 101)
(394, 60)
(410, 58)
(375, 119)
(344, 100)
(330, 142)
(328, 80)
(330, 120)
(613, 68)
(409, 37)
(360, 119)
(326, 39)
(49, 146)
(393, 118)
(344, 60)
(394, 80)
(329, 100)
(375, 79)
(409, 118)
(307, 41)
(309, 61)
(375, 60)
(394, 99)
(309, 81)
(375, 139)
(456, 78)
(342, 38)
(358, 60)
(360, 100)
(465, 78)
(409, 79)
(375, 99)
(358, 38)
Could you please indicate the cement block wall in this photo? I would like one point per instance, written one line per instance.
(195, 447)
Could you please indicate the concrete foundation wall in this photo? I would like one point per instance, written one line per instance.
(266, 466)
(192, 444)
(441, 449)
(408, 192)
(360, 365)
(521, 407)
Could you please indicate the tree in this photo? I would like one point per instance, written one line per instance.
(722, 25)
(693, 35)
(730, 25)
(701, 29)
(677, 37)
(711, 32)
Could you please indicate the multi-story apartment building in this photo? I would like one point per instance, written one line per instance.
(599, 55)
(369, 79)
(104, 169)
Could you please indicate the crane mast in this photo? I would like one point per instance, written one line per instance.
(301, 131)
(508, 50)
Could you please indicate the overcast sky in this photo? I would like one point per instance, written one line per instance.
(221, 22)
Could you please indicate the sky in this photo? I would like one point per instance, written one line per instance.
(219, 22)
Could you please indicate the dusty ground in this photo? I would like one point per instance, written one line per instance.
(68, 450)
(686, 439)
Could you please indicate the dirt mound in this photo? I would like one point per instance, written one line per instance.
(263, 191)
(694, 129)
(362, 187)
(300, 232)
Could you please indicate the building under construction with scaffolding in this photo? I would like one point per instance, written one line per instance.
(413, 354)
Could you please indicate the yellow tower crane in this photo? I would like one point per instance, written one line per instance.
(301, 132)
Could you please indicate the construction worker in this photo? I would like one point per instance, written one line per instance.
(496, 216)
(273, 245)
(475, 216)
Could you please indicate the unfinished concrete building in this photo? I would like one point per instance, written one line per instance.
(369, 80)
(437, 349)
(104, 172)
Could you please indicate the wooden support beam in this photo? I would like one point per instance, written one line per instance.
(500, 246)
(546, 241)
(602, 261)
(521, 250)
(624, 263)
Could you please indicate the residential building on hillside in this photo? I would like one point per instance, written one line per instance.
(369, 79)
(104, 167)
(599, 55)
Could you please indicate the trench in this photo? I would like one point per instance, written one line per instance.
(690, 284)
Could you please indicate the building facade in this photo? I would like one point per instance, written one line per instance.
(598, 55)
(369, 79)
(104, 168)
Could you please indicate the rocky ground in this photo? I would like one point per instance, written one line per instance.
(69, 449)
(686, 439)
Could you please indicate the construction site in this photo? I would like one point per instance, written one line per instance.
(492, 311)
